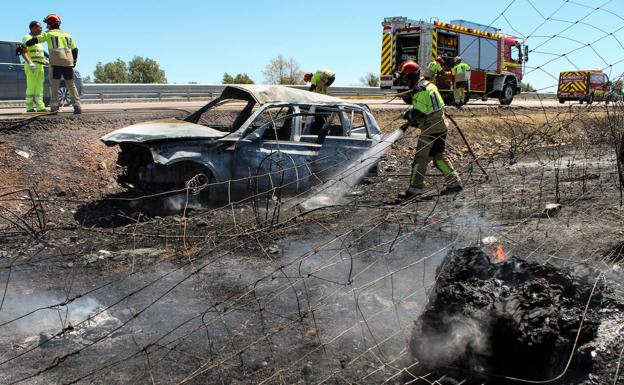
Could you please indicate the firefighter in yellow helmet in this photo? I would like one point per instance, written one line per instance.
(461, 80)
(427, 114)
(33, 69)
(63, 58)
(320, 80)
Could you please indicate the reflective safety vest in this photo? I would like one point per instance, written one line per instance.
(35, 52)
(461, 73)
(460, 69)
(60, 46)
(427, 98)
(321, 75)
(434, 67)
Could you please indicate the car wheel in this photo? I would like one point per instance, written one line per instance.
(63, 96)
(507, 94)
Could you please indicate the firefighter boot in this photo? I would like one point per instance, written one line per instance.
(411, 191)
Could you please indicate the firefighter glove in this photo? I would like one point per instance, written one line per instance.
(32, 66)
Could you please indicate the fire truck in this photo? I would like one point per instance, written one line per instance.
(588, 86)
(497, 59)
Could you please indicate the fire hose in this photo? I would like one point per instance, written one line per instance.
(461, 133)
(406, 125)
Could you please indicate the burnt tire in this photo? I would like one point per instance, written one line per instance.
(507, 94)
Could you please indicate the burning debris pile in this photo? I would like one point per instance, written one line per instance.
(509, 319)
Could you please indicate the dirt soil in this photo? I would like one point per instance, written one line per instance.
(98, 291)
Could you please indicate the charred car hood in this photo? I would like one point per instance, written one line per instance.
(160, 130)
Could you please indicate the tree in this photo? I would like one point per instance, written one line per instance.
(527, 87)
(370, 80)
(283, 71)
(145, 70)
(115, 72)
(238, 79)
(87, 79)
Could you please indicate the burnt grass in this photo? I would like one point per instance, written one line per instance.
(244, 295)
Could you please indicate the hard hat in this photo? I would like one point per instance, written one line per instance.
(457, 59)
(52, 19)
(409, 67)
(307, 77)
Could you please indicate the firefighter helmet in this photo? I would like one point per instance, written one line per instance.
(409, 67)
(457, 59)
(307, 77)
(52, 19)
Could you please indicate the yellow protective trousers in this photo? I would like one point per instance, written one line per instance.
(34, 87)
(431, 148)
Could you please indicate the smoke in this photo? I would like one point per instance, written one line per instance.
(44, 319)
(460, 337)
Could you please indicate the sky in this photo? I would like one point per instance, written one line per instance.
(198, 41)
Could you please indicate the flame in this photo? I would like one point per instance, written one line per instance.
(499, 254)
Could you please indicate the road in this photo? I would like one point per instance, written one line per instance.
(18, 112)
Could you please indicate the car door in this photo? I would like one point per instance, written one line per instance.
(345, 141)
(9, 72)
(269, 159)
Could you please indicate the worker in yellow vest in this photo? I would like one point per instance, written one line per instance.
(461, 80)
(35, 59)
(435, 69)
(63, 58)
(428, 115)
(320, 80)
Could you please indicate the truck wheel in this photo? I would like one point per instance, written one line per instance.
(507, 95)
(580, 101)
(561, 100)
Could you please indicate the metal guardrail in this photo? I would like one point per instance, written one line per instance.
(105, 92)
(101, 92)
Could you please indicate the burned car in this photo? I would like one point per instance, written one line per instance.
(252, 139)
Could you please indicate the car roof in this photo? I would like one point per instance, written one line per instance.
(270, 94)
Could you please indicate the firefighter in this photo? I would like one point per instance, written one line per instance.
(63, 58)
(427, 114)
(320, 80)
(461, 80)
(34, 71)
(435, 68)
